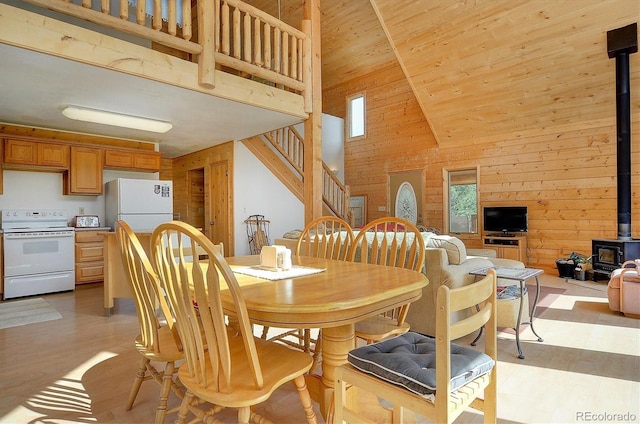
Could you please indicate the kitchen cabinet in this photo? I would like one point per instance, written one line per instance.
(85, 171)
(34, 154)
(132, 160)
(89, 253)
(116, 284)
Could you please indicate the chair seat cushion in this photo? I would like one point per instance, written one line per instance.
(409, 360)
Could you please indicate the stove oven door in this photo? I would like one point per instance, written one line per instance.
(38, 263)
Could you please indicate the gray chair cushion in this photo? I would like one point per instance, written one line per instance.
(409, 361)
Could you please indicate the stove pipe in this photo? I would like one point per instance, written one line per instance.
(621, 43)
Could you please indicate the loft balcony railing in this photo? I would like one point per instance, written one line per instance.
(231, 36)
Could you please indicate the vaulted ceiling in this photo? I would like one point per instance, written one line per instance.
(481, 67)
(477, 67)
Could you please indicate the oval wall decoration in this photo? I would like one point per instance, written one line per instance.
(406, 206)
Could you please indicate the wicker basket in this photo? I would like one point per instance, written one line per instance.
(507, 314)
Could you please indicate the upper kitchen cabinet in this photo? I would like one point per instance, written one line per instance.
(131, 160)
(30, 154)
(85, 171)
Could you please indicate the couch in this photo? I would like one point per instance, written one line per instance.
(447, 263)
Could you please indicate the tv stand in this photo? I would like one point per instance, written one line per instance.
(507, 247)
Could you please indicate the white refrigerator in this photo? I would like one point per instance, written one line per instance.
(143, 204)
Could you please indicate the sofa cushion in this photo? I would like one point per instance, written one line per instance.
(456, 251)
(409, 361)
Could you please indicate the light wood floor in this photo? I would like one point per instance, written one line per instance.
(79, 369)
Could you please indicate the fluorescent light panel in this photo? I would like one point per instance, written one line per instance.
(116, 119)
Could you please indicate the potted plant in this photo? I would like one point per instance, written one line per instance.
(583, 263)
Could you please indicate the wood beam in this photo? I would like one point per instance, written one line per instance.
(313, 125)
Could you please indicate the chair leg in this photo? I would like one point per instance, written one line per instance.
(305, 399)
(184, 407)
(244, 415)
(165, 388)
(317, 349)
(265, 330)
(140, 377)
(306, 339)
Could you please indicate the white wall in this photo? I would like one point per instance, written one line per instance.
(258, 192)
(332, 143)
(43, 190)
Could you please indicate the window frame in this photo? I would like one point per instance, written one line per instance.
(349, 125)
(446, 174)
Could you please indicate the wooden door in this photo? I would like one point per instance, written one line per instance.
(219, 223)
(196, 207)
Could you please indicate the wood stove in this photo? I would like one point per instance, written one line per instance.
(611, 254)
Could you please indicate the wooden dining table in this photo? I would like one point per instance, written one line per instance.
(333, 300)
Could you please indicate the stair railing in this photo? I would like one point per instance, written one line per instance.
(290, 144)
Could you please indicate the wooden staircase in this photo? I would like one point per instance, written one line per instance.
(282, 151)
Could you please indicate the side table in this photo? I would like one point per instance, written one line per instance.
(521, 275)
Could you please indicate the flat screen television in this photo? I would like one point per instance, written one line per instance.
(505, 220)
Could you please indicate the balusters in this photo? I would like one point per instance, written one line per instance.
(237, 39)
(140, 12)
(186, 20)
(247, 37)
(226, 30)
(124, 9)
(267, 46)
(277, 49)
(257, 48)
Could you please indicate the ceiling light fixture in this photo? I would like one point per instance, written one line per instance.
(116, 119)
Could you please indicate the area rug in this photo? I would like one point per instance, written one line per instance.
(28, 311)
(598, 285)
(548, 295)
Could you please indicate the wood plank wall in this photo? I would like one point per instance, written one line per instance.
(566, 175)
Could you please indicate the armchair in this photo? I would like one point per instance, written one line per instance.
(623, 290)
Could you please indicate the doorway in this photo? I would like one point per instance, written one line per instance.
(196, 205)
(405, 190)
(219, 226)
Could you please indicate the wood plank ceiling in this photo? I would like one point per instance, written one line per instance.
(482, 67)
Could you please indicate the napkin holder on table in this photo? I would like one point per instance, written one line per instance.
(275, 258)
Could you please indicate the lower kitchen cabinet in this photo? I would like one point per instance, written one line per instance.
(89, 256)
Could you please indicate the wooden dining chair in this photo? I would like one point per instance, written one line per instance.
(433, 377)
(387, 241)
(326, 237)
(236, 369)
(158, 341)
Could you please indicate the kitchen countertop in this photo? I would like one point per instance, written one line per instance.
(94, 229)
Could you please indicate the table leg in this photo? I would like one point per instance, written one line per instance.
(336, 344)
(519, 322)
(533, 309)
